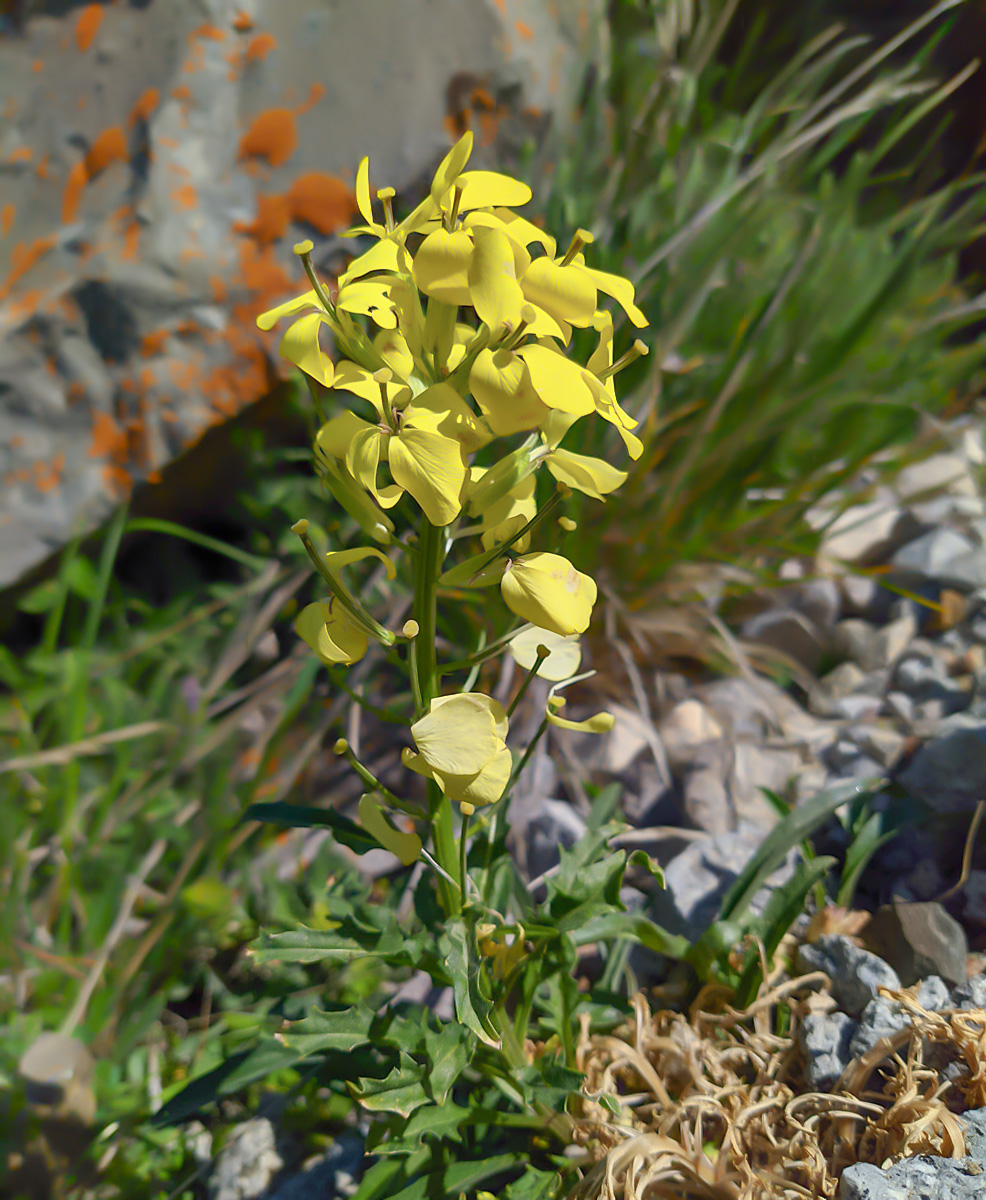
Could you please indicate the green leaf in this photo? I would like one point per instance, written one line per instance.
(401, 1091)
(633, 925)
(306, 946)
(235, 1073)
(448, 1054)
(639, 858)
(472, 1009)
(786, 834)
(534, 1185)
(344, 1029)
(304, 816)
(867, 840)
(456, 1178)
(443, 1122)
(549, 1081)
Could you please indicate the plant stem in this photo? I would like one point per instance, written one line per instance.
(427, 568)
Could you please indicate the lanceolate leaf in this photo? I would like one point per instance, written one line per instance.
(472, 1009)
(304, 816)
(341, 1030)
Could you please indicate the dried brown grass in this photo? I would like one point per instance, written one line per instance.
(714, 1105)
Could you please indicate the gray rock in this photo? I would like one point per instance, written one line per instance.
(143, 292)
(841, 682)
(856, 974)
(881, 744)
(883, 1018)
(852, 640)
(890, 641)
(698, 878)
(820, 600)
(825, 1040)
(792, 633)
(948, 772)
(335, 1173)
(974, 898)
(554, 826)
(864, 596)
(247, 1163)
(899, 705)
(863, 533)
(971, 994)
(942, 557)
(918, 939)
(684, 729)
(975, 1134)
(924, 1177)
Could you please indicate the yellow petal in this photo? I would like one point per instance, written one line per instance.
(622, 292)
(336, 435)
(545, 325)
(563, 660)
(331, 632)
(392, 347)
(458, 737)
(451, 167)
(381, 257)
(557, 380)
(451, 415)
(300, 345)
(506, 515)
(337, 559)
(268, 319)
(493, 288)
(594, 476)
(601, 722)
(485, 787)
(602, 357)
(370, 297)
(609, 409)
(556, 426)
(363, 458)
(475, 221)
(548, 591)
(567, 293)
(441, 265)
(493, 707)
(363, 202)
(432, 468)
(486, 189)
(502, 388)
(525, 232)
(406, 846)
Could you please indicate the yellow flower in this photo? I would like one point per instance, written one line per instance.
(593, 476)
(405, 845)
(505, 950)
(567, 289)
(600, 722)
(548, 591)
(462, 745)
(510, 512)
(331, 632)
(564, 657)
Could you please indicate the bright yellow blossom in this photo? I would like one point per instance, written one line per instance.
(548, 591)
(461, 744)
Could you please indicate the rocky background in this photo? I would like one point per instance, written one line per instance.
(158, 159)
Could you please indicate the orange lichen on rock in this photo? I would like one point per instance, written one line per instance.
(146, 104)
(273, 135)
(213, 32)
(37, 66)
(109, 440)
(322, 201)
(271, 222)
(315, 93)
(21, 154)
(87, 25)
(182, 92)
(242, 22)
(23, 259)
(259, 47)
(47, 476)
(7, 214)
(131, 242)
(42, 170)
(525, 31)
(78, 177)
(109, 147)
(185, 197)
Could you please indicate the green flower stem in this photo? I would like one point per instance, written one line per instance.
(527, 681)
(343, 748)
(481, 655)
(463, 853)
(427, 568)
(341, 592)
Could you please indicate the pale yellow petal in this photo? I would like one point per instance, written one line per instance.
(567, 293)
(562, 662)
(593, 476)
(493, 707)
(502, 388)
(406, 846)
(451, 167)
(609, 409)
(601, 722)
(486, 189)
(381, 257)
(557, 380)
(622, 292)
(363, 202)
(363, 457)
(392, 347)
(300, 345)
(548, 591)
(371, 297)
(336, 435)
(485, 787)
(458, 737)
(267, 320)
(441, 265)
(493, 288)
(451, 415)
(331, 633)
(525, 232)
(432, 468)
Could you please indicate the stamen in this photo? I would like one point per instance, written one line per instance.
(581, 237)
(386, 197)
(304, 252)
(637, 350)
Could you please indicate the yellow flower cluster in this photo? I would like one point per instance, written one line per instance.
(462, 248)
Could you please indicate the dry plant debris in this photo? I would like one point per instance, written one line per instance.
(713, 1105)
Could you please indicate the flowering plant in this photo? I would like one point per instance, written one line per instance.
(452, 335)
